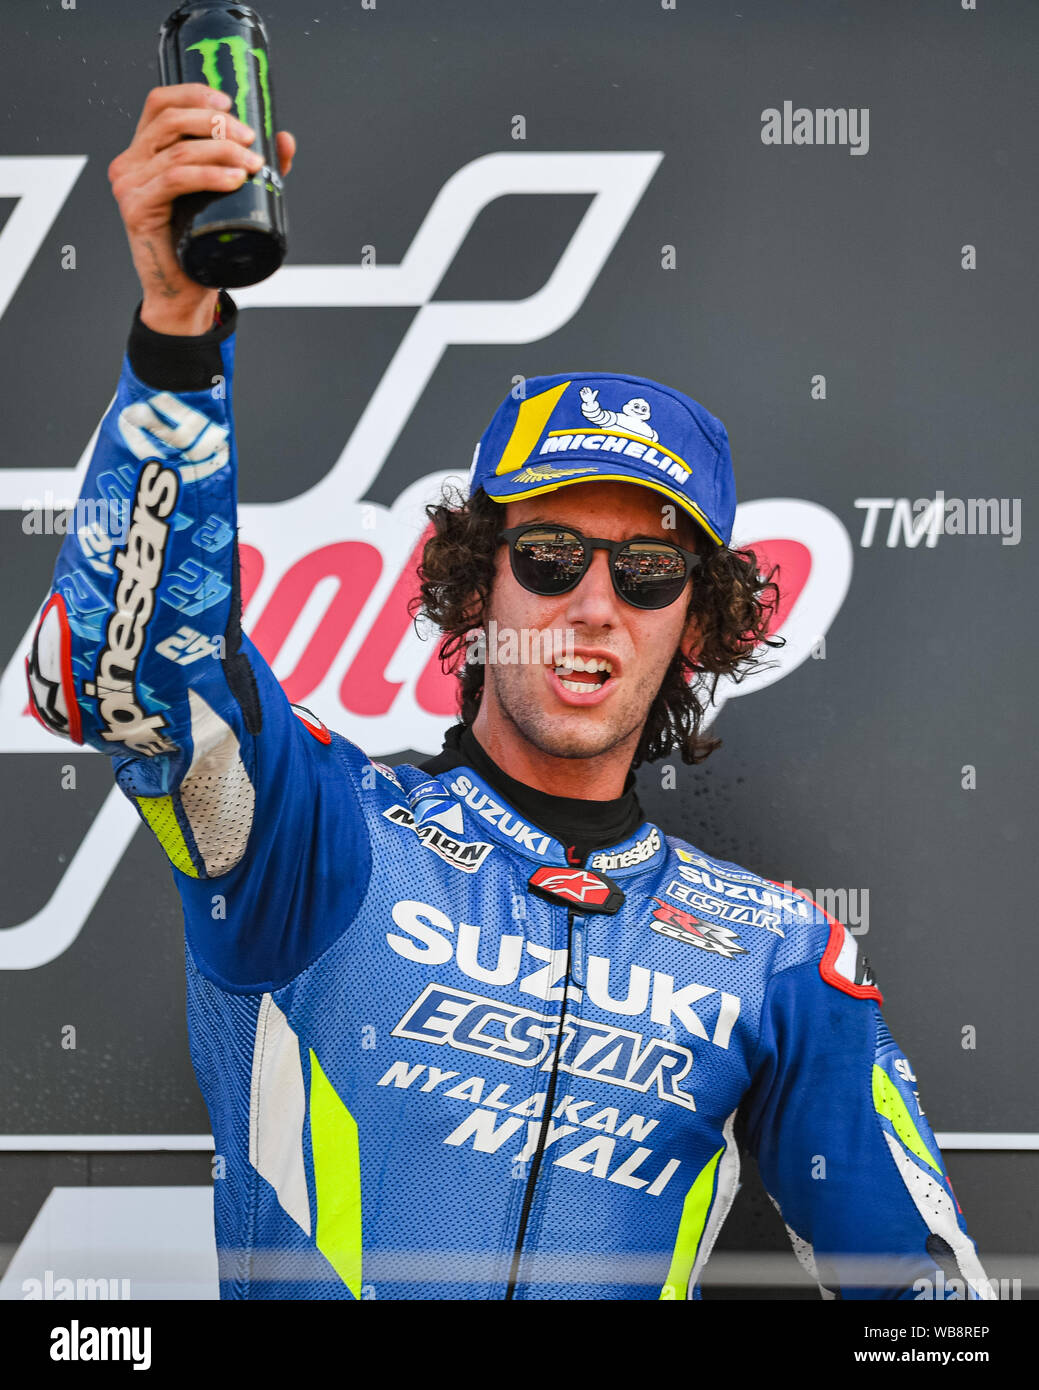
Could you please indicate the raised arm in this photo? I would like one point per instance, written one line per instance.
(139, 650)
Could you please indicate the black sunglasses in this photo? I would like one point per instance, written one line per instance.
(550, 560)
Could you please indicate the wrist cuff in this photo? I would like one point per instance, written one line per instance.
(170, 362)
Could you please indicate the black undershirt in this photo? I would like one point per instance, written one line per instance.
(579, 825)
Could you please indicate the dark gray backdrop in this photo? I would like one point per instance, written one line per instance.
(790, 262)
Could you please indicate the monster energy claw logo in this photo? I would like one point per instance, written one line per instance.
(240, 52)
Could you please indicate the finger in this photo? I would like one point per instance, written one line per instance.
(175, 123)
(159, 192)
(286, 146)
(180, 94)
(195, 153)
(129, 180)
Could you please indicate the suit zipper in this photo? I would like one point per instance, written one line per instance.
(546, 1120)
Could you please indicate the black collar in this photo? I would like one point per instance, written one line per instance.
(579, 825)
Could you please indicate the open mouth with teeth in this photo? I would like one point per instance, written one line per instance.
(584, 673)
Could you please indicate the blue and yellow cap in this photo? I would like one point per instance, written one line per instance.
(603, 427)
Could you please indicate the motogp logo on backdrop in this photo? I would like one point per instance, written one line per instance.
(327, 577)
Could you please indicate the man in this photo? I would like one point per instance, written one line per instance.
(475, 1030)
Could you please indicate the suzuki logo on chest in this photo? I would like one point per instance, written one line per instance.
(427, 935)
(503, 819)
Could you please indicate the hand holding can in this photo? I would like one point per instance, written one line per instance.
(232, 236)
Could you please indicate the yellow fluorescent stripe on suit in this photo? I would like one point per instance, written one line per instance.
(890, 1104)
(162, 819)
(690, 1229)
(337, 1178)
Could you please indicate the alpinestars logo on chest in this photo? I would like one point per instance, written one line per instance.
(683, 926)
(577, 888)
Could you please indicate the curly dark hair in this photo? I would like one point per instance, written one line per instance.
(732, 602)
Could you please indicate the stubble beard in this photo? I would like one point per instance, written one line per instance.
(566, 736)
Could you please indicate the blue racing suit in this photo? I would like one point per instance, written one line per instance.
(429, 1077)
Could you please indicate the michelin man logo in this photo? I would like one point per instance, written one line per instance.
(632, 417)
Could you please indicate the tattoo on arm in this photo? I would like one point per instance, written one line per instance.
(167, 290)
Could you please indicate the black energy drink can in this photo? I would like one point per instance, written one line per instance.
(226, 240)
